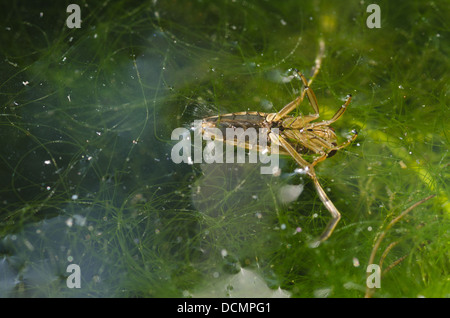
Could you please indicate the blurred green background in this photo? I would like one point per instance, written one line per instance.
(86, 175)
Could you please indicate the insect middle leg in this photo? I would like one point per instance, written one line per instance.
(337, 115)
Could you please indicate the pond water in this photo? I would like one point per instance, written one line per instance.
(87, 176)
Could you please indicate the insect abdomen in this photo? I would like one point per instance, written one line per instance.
(243, 120)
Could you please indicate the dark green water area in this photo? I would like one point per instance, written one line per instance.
(87, 177)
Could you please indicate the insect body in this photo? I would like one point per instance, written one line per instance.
(298, 136)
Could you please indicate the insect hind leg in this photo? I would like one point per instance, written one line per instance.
(309, 169)
(335, 215)
(306, 91)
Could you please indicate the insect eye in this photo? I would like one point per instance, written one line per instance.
(331, 153)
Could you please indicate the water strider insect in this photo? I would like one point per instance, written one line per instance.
(298, 136)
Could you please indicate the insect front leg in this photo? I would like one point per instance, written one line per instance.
(331, 148)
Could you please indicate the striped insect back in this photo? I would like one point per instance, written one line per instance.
(243, 120)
